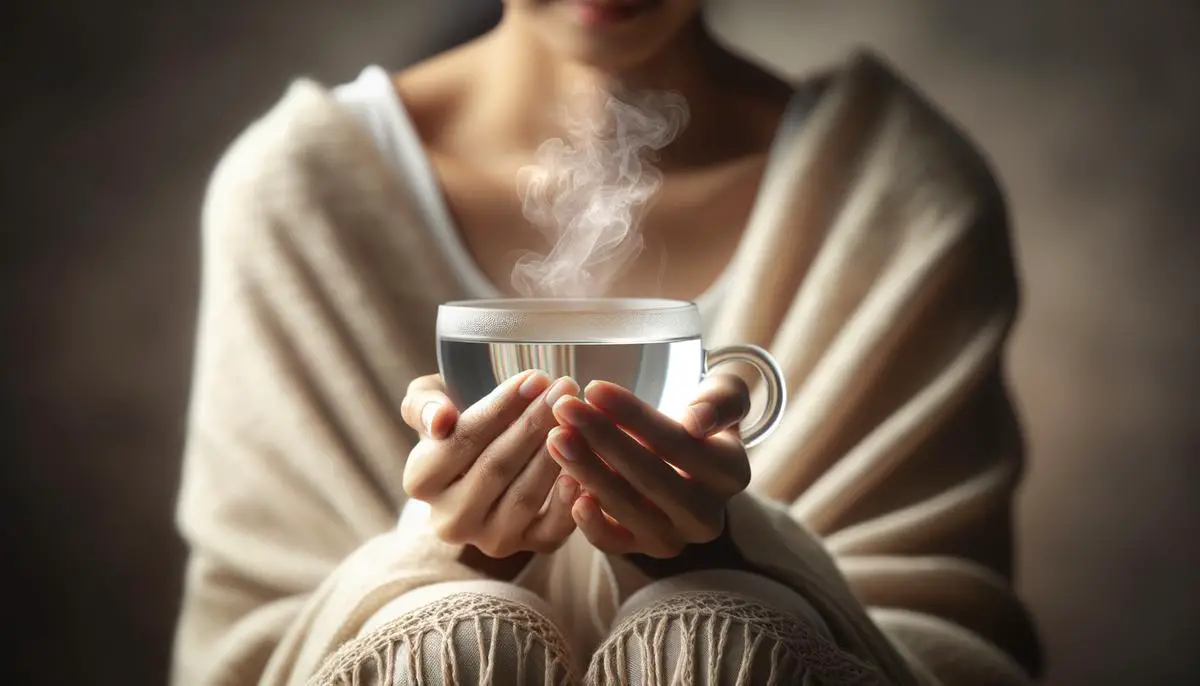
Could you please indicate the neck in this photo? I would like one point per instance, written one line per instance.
(523, 87)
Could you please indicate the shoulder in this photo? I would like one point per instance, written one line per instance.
(287, 148)
(311, 141)
(942, 151)
(893, 150)
(304, 189)
(951, 194)
(304, 157)
(895, 144)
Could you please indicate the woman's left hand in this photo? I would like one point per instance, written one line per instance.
(652, 485)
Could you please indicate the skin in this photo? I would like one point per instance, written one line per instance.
(633, 480)
(483, 109)
(653, 486)
(519, 471)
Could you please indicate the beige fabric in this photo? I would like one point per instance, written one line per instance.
(722, 628)
(876, 268)
(762, 589)
(707, 628)
(467, 632)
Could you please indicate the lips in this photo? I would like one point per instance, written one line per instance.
(605, 12)
(614, 3)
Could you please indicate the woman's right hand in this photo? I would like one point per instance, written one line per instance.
(486, 473)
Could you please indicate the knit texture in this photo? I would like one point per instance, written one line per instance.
(722, 631)
(461, 638)
(722, 638)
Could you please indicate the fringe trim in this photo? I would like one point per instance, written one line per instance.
(372, 659)
(719, 621)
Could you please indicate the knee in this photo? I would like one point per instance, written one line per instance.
(464, 637)
(719, 637)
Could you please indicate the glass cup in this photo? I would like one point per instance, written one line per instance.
(652, 347)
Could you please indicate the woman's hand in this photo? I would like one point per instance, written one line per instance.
(652, 485)
(486, 474)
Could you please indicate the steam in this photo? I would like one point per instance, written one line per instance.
(587, 193)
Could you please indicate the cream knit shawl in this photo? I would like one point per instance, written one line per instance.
(876, 267)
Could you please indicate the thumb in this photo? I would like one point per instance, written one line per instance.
(721, 403)
(428, 410)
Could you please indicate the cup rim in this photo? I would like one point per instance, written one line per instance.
(571, 305)
(569, 320)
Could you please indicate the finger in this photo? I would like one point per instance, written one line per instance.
(648, 524)
(689, 506)
(548, 531)
(600, 530)
(421, 392)
(720, 467)
(429, 382)
(722, 402)
(429, 412)
(490, 416)
(493, 476)
(433, 468)
(523, 498)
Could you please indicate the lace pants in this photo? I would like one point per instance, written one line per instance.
(706, 628)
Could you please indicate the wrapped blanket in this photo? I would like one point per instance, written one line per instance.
(876, 267)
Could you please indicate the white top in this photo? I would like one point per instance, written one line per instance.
(372, 98)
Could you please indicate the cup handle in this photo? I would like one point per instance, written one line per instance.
(771, 374)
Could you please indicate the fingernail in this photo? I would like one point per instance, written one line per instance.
(427, 414)
(704, 419)
(572, 411)
(568, 488)
(533, 386)
(598, 395)
(588, 512)
(560, 447)
(562, 387)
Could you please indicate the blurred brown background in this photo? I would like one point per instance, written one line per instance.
(116, 112)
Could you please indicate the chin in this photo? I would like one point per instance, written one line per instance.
(614, 44)
(605, 58)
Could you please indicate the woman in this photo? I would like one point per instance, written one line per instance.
(842, 224)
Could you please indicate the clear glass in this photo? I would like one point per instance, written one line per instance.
(653, 347)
